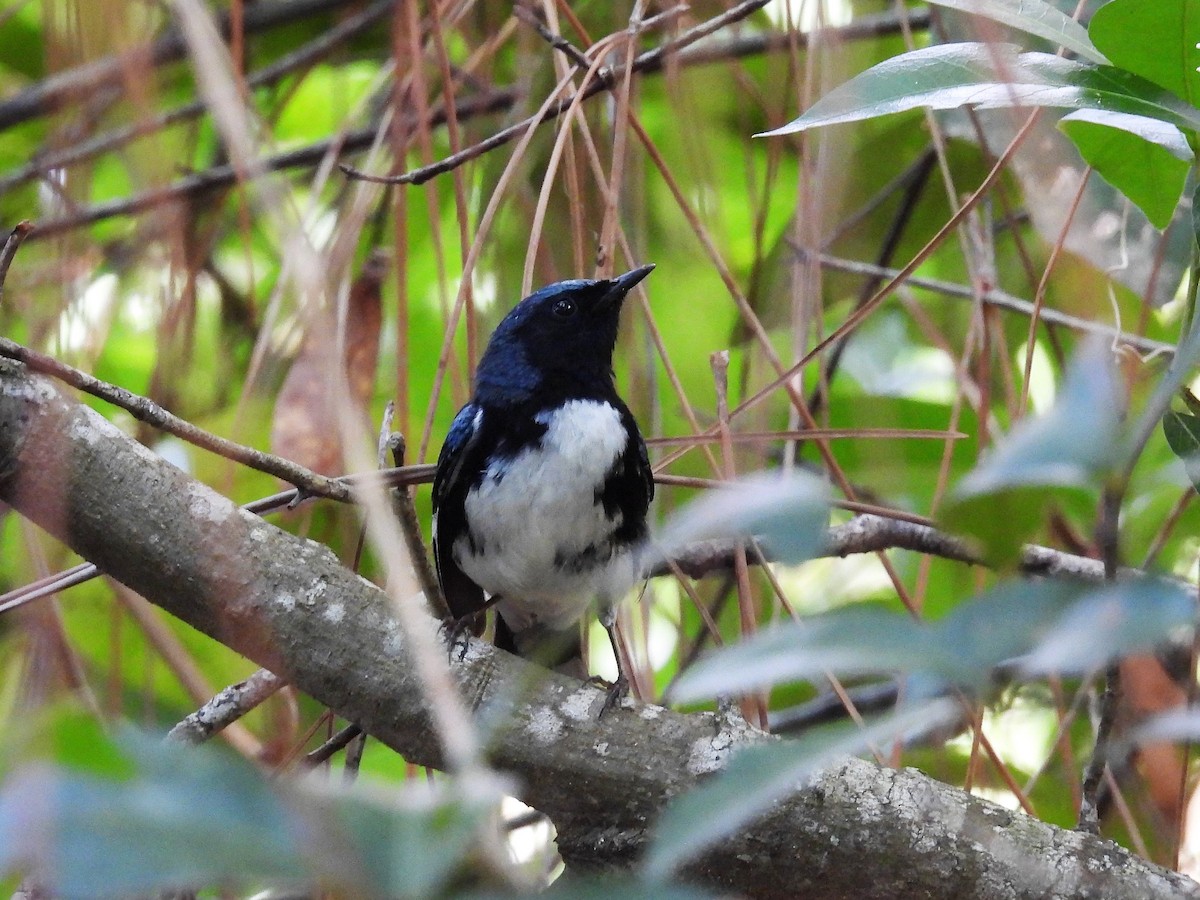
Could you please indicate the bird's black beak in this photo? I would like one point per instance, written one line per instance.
(623, 284)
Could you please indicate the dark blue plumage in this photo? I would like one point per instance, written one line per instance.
(543, 483)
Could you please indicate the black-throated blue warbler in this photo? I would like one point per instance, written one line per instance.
(543, 483)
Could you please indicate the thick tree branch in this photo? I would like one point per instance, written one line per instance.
(857, 831)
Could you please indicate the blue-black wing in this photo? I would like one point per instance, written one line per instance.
(629, 486)
(458, 467)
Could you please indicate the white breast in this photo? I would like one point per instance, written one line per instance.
(540, 505)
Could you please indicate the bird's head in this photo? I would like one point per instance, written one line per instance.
(563, 334)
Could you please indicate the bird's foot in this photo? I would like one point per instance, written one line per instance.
(458, 635)
(615, 692)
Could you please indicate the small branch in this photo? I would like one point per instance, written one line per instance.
(999, 299)
(332, 746)
(410, 527)
(220, 177)
(226, 708)
(1108, 539)
(9, 251)
(146, 410)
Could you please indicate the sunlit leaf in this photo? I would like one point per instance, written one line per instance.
(990, 76)
(789, 513)
(1034, 17)
(760, 775)
(1145, 159)
(1155, 40)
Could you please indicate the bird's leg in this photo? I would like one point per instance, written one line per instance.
(457, 628)
(619, 689)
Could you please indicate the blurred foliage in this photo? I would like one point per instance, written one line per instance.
(201, 303)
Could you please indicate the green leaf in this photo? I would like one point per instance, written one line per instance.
(1156, 40)
(1118, 619)
(759, 775)
(990, 76)
(195, 816)
(1072, 446)
(182, 819)
(1145, 159)
(788, 513)
(962, 648)
(857, 640)
(1182, 431)
(1034, 17)
(1053, 624)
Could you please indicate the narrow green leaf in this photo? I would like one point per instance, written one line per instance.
(990, 76)
(1156, 40)
(1118, 619)
(1034, 17)
(1182, 431)
(1145, 159)
(962, 648)
(788, 513)
(855, 640)
(760, 775)
(1072, 445)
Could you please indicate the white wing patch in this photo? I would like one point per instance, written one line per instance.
(541, 504)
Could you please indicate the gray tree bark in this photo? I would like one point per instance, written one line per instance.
(857, 831)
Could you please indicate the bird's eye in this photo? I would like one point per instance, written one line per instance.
(564, 308)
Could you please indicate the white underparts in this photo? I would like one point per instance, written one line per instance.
(535, 512)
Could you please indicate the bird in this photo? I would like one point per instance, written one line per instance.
(543, 484)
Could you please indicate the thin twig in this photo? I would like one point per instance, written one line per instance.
(146, 410)
(9, 251)
(305, 55)
(651, 60)
(1108, 538)
(410, 527)
(225, 708)
(1001, 300)
(82, 82)
(332, 746)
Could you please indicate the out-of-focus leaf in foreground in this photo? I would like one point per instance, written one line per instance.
(1048, 625)
(760, 775)
(170, 818)
(1074, 445)
(788, 513)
